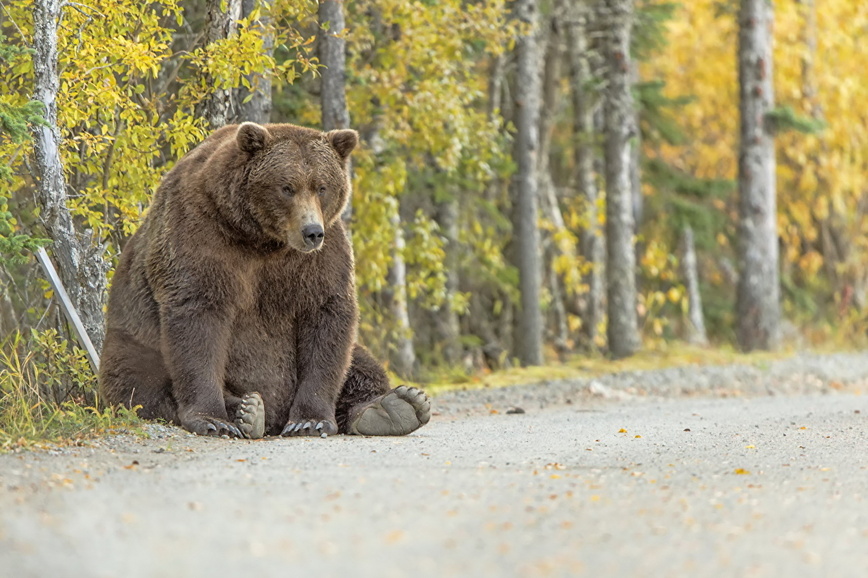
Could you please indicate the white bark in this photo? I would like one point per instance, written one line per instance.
(636, 159)
(333, 97)
(583, 131)
(219, 108)
(258, 108)
(549, 204)
(696, 333)
(404, 355)
(79, 256)
(623, 333)
(758, 298)
(528, 345)
(447, 326)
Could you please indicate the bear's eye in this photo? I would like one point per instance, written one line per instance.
(322, 190)
(288, 190)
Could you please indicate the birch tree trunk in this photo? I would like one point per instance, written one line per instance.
(636, 159)
(79, 257)
(220, 108)
(447, 325)
(528, 346)
(404, 355)
(623, 333)
(8, 320)
(583, 133)
(696, 333)
(758, 298)
(258, 107)
(548, 200)
(333, 94)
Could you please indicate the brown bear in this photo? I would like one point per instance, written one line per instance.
(233, 308)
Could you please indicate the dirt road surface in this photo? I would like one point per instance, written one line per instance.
(604, 482)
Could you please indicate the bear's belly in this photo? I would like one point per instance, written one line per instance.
(262, 359)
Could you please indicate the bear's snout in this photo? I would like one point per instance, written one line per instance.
(313, 236)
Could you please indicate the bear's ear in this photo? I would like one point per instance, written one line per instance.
(252, 137)
(343, 141)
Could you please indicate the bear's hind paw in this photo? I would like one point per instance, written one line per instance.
(250, 416)
(395, 413)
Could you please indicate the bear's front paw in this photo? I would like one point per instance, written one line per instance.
(310, 427)
(210, 426)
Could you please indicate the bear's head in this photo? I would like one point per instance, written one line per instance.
(297, 181)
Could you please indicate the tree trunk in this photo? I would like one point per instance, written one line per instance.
(333, 96)
(403, 356)
(758, 299)
(525, 225)
(583, 133)
(79, 257)
(696, 334)
(8, 319)
(447, 327)
(623, 333)
(219, 107)
(809, 84)
(258, 107)
(636, 159)
(495, 84)
(552, 47)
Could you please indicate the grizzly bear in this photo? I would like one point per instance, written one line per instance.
(233, 308)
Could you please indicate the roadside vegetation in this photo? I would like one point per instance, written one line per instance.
(473, 256)
(48, 394)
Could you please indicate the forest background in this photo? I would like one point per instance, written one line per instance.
(539, 181)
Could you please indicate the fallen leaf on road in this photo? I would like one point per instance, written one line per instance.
(622, 430)
(394, 537)
(741, 471)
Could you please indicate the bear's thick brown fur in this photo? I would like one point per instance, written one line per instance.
(241, 280)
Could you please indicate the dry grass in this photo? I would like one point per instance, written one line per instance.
(48, 394)
(584, 366)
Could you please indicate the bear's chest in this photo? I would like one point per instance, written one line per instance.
(283, 294)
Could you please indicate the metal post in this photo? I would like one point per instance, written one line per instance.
(68, 308)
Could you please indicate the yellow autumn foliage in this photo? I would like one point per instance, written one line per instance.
(822, 179)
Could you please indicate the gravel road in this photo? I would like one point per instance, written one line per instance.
(713, 471)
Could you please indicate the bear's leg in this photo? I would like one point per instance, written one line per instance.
(367, 405)
(247, 412)
(133, 375)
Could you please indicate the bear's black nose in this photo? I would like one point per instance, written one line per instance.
(313, 236)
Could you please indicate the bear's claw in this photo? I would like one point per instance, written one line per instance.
(306, 427)
(250, 416)
(211, 426)
(395, 413)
